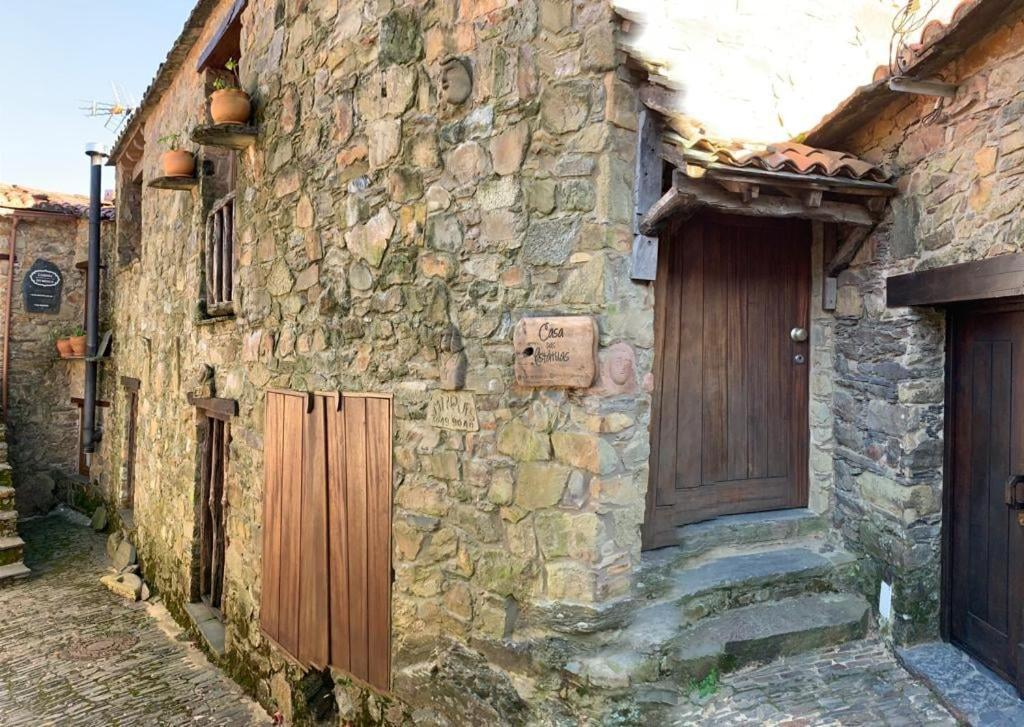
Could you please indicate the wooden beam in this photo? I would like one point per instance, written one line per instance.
(847, 251)
(691, 193)
(674, 202)
(644, 258)
(813, 198)
(997, 277)
(217, 408)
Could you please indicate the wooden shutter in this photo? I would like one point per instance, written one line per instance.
(327, 531)
(360, 528)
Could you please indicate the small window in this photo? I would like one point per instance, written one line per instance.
(220, 256)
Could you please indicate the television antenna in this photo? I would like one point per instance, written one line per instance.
(116, 112)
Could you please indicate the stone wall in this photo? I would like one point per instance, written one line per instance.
(959, 163)
(43, 422)
(372, 218)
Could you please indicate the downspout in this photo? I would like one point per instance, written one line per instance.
(97, 154)
(7, 308)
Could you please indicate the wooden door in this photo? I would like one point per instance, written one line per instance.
(729, 413)
(985, 591)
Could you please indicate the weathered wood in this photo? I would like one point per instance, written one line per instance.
(337, 527)
(672, 204)
(227, 136)
(213, 257)
(644, 259)
(847, 251)
(215, 407)
(357, 481)
(291, 523)
(273, 443)
(314, 575)
(729, 407)
(555, 351)
(713, 197)
(226, 42)
(178, 184)
(997, 277)
(378, 516)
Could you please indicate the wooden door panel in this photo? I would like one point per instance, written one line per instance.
(729, 411)
(987, 543)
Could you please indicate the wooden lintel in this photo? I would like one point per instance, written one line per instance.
(998, 277)
(813, 198)
(690, 193)
(847, 251)
(217, 408)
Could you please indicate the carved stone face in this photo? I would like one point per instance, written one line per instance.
(621, 367)
(456, 81)
(450, 340)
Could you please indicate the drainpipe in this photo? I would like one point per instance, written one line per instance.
(97, 154)
(12, 245)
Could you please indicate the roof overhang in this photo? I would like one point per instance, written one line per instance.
(970, 25)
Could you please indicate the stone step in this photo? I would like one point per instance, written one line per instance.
(766, 631)
(737, 579)
(12, 572)
(8, 524)
(11, 550)
(750, 529)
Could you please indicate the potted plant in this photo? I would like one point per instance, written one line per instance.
(77, 342)
(175, 161)
(59, 336)
(229, 104)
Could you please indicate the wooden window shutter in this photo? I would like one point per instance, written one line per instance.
(327, 531)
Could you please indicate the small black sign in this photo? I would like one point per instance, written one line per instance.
(42, 287)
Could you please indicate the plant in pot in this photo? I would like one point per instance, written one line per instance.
(77, 341)
(229, 104)
(59, 335)
(176, 162)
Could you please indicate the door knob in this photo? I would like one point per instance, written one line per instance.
(798, 334)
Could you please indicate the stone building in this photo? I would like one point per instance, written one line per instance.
(41, 391)
(471, 366)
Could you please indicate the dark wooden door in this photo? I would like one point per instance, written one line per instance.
(729, 413)
(986, 547)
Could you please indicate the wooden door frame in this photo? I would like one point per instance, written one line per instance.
(652, 539)
(999, 305)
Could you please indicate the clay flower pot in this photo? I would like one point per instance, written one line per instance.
(64, 347)
(230, 106)
(177, 163)
(77, 346)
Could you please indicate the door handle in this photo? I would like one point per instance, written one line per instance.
(1014, 492)
(798, 334)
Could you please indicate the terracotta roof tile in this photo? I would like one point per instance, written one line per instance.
(15, 197)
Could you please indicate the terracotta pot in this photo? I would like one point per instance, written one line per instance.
(177, 163)
(230, 106)
(64, 347)
(77, 346)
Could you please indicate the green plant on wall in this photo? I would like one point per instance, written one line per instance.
(229, 81)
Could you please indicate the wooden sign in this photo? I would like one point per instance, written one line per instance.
(42, 287)
(556, 351)
(453, 410)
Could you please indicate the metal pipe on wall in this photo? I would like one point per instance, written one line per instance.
(97, 154)
(12, 245)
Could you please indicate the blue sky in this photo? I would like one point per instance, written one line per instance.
(56, 54)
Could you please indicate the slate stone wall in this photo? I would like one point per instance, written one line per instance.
(42, 421)
(372, 217)
(959, 163)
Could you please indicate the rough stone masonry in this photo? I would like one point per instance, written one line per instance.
(373, 219)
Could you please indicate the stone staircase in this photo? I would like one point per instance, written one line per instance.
(11, 546)
(736, 590)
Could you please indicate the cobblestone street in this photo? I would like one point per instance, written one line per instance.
(859, 683)
(72, 653)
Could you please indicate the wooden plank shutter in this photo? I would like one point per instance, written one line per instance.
(359, 519)
(327, 503)
(294, 598)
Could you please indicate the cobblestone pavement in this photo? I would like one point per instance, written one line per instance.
(859, 683)
(72, 653)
